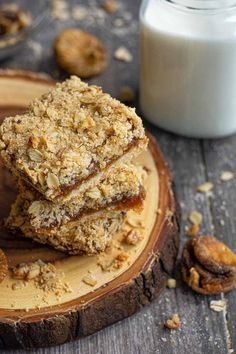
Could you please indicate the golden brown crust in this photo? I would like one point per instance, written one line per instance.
(68, 135)
(80, 53)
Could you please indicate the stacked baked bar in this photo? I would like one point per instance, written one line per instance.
(71, 154)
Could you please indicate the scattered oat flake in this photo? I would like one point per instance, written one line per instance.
(226, 176)
(205, 187)
(134, 221)
(195, 217)
(110, 6)
(218, 305)
(79, 13)
(89, 280)
(173, 322)
(123, 54)
(60, 10)
(171, 283)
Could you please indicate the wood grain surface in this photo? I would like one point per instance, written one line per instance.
(192, 162)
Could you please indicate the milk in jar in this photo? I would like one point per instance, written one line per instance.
(188, 66)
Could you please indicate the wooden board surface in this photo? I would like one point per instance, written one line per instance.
(192, 162)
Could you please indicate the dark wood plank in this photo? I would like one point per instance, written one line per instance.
(220, 155)
(192, 163)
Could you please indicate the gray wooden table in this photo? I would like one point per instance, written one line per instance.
(192, 162)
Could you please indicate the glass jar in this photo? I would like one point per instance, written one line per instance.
(188, 66)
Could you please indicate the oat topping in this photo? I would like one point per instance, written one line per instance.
(76, 131)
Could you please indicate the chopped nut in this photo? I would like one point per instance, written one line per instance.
(123, 54)
(218, 305)
(226, 176)
(206, 187)
(193, 230)
(89, 280)
(173, 322)
(123, 256)
(110, 6)
(195, 217)
(35, 155)
(20, 271)
(52, 181)
(171, 283)
(132, 237)
(126, 94)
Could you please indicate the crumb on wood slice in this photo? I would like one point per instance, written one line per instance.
(110, 6)
(132, 237)
(173, 322)
(89, 280)
(44, 276)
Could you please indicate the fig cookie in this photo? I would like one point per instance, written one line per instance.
(208, 265)
(80, 53)
(3, 265)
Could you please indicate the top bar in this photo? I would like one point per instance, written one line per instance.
(68, 136)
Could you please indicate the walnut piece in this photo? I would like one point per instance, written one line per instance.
(173, 322)
(132, 237)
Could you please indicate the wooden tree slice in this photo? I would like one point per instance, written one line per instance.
(29, 317)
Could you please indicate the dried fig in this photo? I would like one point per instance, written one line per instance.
(208, 266)
(80, 53)
(214, 255)
(3, 265)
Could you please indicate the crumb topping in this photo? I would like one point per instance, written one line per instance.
(67, 135)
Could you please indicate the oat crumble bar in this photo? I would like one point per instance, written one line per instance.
(90, 235)
(121, 189)
(69, 137)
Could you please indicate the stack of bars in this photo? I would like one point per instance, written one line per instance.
(71, 154)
